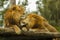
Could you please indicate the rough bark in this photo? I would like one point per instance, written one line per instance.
(8, 31)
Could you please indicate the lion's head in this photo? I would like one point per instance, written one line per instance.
(13, 14)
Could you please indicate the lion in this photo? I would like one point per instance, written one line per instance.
(12, 17)
(34, 22)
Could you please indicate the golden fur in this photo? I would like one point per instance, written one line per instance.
(37, 23)
(13, 17)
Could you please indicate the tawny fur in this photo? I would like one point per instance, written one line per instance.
(13, 17)
(38, 23)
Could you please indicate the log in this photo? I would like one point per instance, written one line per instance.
(10, 32)
(6, 30)
(43, 34)
(40, 34)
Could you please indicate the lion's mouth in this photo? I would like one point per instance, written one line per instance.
(23, 24)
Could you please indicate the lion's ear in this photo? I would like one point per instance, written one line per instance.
(14, 8)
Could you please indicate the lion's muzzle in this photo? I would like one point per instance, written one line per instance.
(23, 24)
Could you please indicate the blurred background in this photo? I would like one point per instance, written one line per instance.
(50, 9)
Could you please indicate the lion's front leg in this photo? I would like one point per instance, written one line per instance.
(16, 29)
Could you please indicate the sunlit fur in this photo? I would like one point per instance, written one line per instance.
(13, 16)
(38, 23)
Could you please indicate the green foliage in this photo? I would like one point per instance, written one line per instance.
(1, 18)
(51, 10)
(2, 12)
(58, 28)
(1, 23)
(1, 3)
(25, 2)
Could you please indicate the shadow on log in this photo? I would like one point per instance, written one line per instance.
(9, 34)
